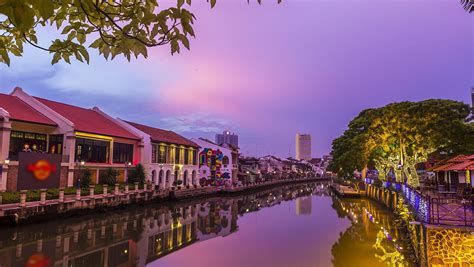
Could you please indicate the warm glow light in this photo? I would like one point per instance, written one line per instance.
(94, 136)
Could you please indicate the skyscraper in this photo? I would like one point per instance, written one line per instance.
(227, 138)
(303, 146)
(303, 206)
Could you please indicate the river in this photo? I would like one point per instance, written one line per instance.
(299, 225)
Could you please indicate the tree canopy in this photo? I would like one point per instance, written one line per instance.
(113, 27)
(398, 136)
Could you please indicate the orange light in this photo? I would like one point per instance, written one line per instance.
(42, 169)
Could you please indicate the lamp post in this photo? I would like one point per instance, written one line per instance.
(79, 164)
(127, 164)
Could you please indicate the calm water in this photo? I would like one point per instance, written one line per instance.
(299, 225)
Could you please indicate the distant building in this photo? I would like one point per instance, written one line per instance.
(303, 206)
(303, 147)
(227, 138)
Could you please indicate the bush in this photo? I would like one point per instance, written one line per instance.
(137, 175)
(109, 177)
(86, 178)
(177, 182)
(10, 197)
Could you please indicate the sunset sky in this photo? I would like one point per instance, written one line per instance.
(269, 71)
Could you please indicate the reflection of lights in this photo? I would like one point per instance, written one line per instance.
(247, 210)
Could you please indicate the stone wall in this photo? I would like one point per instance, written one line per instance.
(450, 246)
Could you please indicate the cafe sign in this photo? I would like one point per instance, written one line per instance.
(38, 170)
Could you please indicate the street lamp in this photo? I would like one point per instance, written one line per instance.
(79, 164)
(7, 161)
(127, 164)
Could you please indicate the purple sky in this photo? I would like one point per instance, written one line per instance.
(269, 71)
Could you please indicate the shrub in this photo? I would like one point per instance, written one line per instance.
(10, 197)
(86, 178)
(177, 182)
(109, 177)
(137, 174)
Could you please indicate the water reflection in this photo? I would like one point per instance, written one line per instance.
(372, 232)
(299, 216)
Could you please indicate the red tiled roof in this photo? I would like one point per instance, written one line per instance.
(466, 165)
(88, 120)
(458, 158)
(159, 135)
(458, 163)
(20, 111)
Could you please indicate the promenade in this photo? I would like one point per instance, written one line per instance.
(111, 198)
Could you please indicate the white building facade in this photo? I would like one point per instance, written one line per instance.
(167, 156)
(215, 162)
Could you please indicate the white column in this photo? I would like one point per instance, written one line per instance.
(69, 149)
(5, 130)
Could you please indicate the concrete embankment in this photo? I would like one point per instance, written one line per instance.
(76, 205)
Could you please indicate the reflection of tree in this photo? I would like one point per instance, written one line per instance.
(355, 245)
(390, 256)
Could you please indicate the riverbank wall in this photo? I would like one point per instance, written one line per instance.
(116, 198)
(434, 244)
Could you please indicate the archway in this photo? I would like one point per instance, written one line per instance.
(193, 178)
(168, 174)
(153, 177)
(176, 175)
(160, 179)
(185, 177)
(225, 161)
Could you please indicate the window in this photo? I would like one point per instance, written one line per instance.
(56, 144)
(154, 153)
(123, 153)
(177, 152)
(26, 142)
(90, 150)
(225, 160)
(186, 156)
(162, 154)
(193, 154)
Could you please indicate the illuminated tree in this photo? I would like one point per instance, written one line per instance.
(400, 135)
(126, 27)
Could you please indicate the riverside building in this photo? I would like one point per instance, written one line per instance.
(166, 155)
(48, 144)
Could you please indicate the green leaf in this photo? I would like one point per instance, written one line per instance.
(56, 58)
(213, 3)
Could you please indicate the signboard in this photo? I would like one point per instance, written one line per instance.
(38, 170)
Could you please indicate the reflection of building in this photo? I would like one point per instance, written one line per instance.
(303, 147)
(227, 138)
(303, 206)
(134, 237)
(166, 155)
(217, 218)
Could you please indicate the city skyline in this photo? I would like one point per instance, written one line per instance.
(187, 93)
